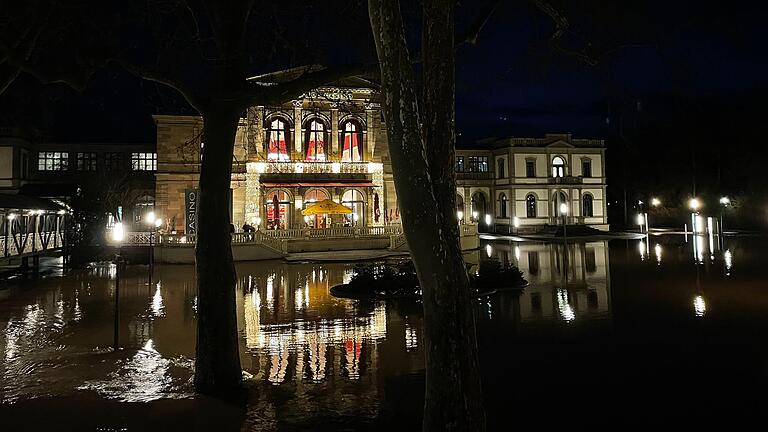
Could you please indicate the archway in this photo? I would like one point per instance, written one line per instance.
(355, 200)
(479, 206)
(278, 204)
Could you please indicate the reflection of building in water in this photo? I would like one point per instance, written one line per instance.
(566, 283)
(295, 330)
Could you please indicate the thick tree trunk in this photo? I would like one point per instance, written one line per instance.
(453, 399)
(217, 361)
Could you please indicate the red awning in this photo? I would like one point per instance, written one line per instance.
(337, 184)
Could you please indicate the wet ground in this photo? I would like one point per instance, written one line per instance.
(608, 334)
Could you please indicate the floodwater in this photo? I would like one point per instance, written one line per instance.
(613, 333)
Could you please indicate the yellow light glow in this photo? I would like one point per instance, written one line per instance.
(694, 204)
(118, 234)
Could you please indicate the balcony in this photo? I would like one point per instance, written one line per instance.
(310, 167)
(565, 180)
(487, 175)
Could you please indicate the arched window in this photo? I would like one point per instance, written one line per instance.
(587, 208)
(558, 167)
(355, 201)
(278, 141)
(277, 204)
(352, 142)
(503, 206)
(314, 140)
(530, 206)
(310, 198)
(557, 199)
(500, 170)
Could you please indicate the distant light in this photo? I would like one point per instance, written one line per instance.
(62, 212)
(487, 219)
(725, 201)
(640, 219)
(460, 214)
(639, 202)
(117, 232)
(728, 261)
(694, 204)
(699, 305)
(39, 212)
(158, 222)
(336, 167)
(488, 250)
(150, 218)
(257, 221)
(474, 215)
(516, 222)
(655, 202)
(355, 217)
(657, 249)
(563, 208)
(12, 216)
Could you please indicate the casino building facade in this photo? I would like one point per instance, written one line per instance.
(332, 144)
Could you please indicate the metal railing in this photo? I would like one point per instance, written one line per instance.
(21, 244)
(565, 180)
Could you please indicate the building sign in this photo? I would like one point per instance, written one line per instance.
(191, 197)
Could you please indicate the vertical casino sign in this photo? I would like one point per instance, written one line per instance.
(191, 197)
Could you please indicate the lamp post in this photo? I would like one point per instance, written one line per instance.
(564, 213)
(117, 236)
(460, 216)
(724, 203)
(154, 224)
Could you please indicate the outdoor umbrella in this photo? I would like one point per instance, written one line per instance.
(326, 207)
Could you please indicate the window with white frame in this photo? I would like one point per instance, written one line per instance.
(477, 164)
(144, 161)
(558, 167)
(52, 161)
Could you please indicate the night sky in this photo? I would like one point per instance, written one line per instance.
(666, 75)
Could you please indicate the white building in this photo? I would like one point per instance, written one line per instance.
(520, 183)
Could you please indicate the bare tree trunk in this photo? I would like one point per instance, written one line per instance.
(426, 195)
(217, 360)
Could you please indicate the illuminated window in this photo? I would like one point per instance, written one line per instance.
(459, 163)
(52, 161)
(86, 161)
(530, 206)
(278, 141)
(314, 141)
(558, 167)
(352, 142)
(477, 164)
(144, 161)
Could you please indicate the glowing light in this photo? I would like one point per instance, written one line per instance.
(306, 219)
(261, 167)
(257, 220)
(474, 215)
(355, 217)
(655, 202)
(657, 249)
(725, 201)
(516, 222)
(298, 168)
(694, 204)
(158, 222)
(158, 309)
(728, 257)
(12, 216)
(563, 209)
(640, 219)
(150, 218)
(641, 247)
(336, 167)
(517, 253)
(488, 250)
(118, 234)
(487, 219)
(374, 167)
(565, 309)
(699, 306)
(460, 215)
(62, 212)
(298, 203)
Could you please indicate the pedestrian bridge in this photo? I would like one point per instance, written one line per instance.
(30, 227)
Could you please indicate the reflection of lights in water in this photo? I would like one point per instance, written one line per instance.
(728, 257)
(194, 304)
(270, 291)
(299, 297)
(641, 248)
(699, 305)
(657, 249)
(411, 339)
(143, 378)
(566, 311)
(488, 250)
(699, 257)
(489, 308)
(158, 309)
(517, 253)
(353, 349)
(16, 331)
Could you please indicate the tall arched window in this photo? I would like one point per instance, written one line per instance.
(314, 140)
(530, 206)
(352, 142)
(278, 141)
(587, 207)
(356, 202)
(558, 167)
(503, 206)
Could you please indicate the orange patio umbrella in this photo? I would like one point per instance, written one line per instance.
(326, 206)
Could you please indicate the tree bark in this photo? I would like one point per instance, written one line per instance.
(426, 195)
(217, 359)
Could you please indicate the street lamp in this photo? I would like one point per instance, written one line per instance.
(694, 204)
(564, 212)
(655, 202)
(724, 202)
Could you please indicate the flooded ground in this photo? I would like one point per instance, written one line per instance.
(609, 333)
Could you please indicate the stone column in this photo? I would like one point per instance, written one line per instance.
(370, 138)
(335, 141)
(297, 126)
(252, 194)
